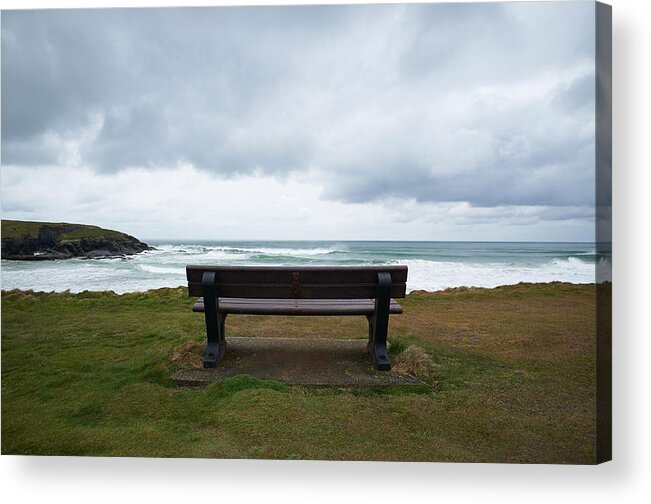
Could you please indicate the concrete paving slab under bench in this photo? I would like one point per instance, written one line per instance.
(335, 362)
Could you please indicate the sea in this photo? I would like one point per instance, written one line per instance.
(432, 265)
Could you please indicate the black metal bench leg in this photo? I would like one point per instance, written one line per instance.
(370, 333)
(379, 325)
(216, 344)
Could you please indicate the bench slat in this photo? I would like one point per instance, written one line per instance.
(308, 274)
(305, 291)
(297, 306)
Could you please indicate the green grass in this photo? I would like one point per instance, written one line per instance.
(20, 229)
(89, 374)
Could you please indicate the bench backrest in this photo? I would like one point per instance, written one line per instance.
(296, 282)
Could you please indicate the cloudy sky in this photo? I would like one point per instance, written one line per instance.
(421, 122)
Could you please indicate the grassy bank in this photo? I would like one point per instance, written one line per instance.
(30, 229)
(512, 381)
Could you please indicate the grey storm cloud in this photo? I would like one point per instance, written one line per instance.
(492, 104)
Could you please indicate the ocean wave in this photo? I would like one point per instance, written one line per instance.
(436, 275)
(161, 270)
(243, 250)
(604, 270)
(192, 253)
(592, 252)
(291, 252)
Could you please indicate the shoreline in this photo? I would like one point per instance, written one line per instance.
(416, 292)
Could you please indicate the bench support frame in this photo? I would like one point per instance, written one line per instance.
(378, 322)
(216, 345)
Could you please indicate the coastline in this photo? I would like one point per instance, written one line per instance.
(415, 292)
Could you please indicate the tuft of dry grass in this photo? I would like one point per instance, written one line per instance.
(415, 362)
(188, 355)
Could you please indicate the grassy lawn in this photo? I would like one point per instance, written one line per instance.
(513, 380)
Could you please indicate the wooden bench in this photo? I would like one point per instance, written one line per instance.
(290, 290)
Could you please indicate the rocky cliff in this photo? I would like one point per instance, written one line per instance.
(39, 241)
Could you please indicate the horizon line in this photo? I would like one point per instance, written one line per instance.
(367, 240)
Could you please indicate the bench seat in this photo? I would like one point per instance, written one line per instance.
(252, 306)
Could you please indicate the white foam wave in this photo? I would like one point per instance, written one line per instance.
(604, 270)
(226, 251)
(158, 269)
(220, 255)
(176, 253)
(436, 275)
(291, 252)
